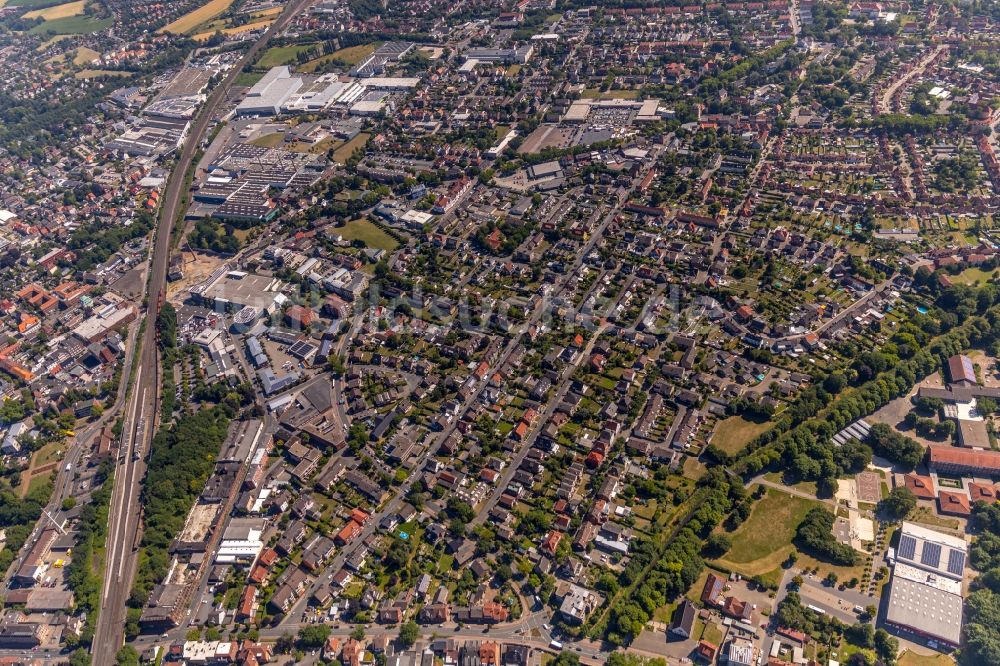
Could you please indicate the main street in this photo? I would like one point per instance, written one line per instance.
(141, 411)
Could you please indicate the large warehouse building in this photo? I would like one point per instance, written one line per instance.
(268, 95)
(925, 597)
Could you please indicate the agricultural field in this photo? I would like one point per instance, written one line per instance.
(94, 73)
(28, 4)
(240, 29)
(196, 17)
(59, 11)
(72, 25)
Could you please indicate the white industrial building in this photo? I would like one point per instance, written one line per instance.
(268, 96)
(925, 596)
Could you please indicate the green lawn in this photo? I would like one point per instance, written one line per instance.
(595, 93)
(712, 634)
(909, 658)
(444, 564)
(770, 527)
(764, 541)
(344, 151)
(72, 25)
(248, 78)
(732, 434)
(269, 140)
(971, 276)
(349, 56)
(283, 55)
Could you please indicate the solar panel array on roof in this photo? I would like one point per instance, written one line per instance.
(907, 547)
(956, 562)
(931, 556)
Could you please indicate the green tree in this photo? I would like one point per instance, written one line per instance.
(887, 646)
(80, 657)
(717, 545)
(900, 502)
(313, 635)
(409, 632)
(127, 656)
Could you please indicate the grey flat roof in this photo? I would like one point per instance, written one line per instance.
(926, 609)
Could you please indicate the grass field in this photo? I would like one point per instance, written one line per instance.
(204, 36)
(732, 434)
(769, 529)
(595, 93)
(248, 78)
(196, 17)
(268, 140)
(94, 73)
(72, 25)
(368, 233)
(909, 658)
(352, 55)
(764, 541)
(49, 42)
(59, 11)
(265, 13)
(344, 152)
(282, 55)
(28, 4)
(85, 55)
(971, 276)
(37, 482)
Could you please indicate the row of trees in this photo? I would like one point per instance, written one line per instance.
(982, 628)
(806, 428)
(661, 572)
(81, 576)
(180, 462)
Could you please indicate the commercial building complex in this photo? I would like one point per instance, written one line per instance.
(925, 597)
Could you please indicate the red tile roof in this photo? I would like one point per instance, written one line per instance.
(954, 503)
(921, 486)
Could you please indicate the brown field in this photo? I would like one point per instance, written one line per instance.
(59, 11)
(203, 36)
(196, 17)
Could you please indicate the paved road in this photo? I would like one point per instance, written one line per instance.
(124, 520)
(884, 103)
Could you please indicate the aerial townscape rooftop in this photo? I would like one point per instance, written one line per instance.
(514, 333)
